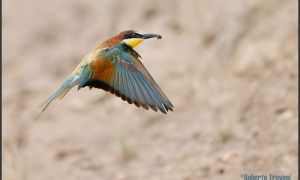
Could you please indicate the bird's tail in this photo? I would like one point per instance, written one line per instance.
(69, 83)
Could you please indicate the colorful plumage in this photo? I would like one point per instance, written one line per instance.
(115, 67)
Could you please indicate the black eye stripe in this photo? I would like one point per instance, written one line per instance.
(138, 35)
(133, 35)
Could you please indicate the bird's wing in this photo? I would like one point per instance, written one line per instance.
(126, 77)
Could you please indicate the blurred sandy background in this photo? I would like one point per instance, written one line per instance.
(229, 67)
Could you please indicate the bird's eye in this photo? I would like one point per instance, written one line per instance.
(136, 35)
(133, 35)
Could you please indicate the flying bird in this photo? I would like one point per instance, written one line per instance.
(115, 66)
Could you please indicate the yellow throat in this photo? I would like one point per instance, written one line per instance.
(133, 42)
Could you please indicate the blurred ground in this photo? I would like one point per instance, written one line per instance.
(229, 67)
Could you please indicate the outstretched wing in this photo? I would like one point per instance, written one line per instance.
(125, 76)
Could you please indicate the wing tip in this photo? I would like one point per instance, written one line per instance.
(163, 107)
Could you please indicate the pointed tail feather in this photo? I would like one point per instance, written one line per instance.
(71, 81)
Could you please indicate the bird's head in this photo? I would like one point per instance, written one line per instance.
(130, 38)
(133, 38)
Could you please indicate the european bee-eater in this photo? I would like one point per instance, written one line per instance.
(115, 66)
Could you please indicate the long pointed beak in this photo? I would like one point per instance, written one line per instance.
(148, 36)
